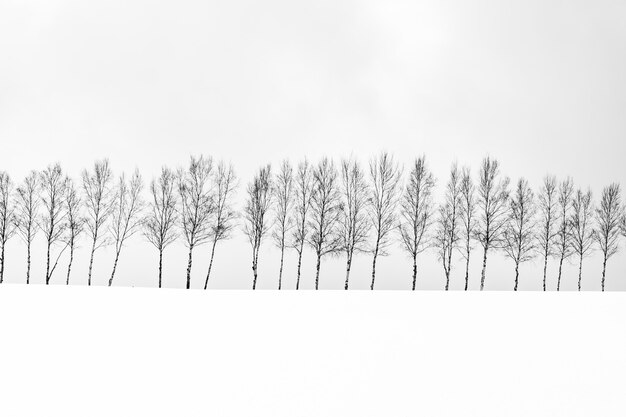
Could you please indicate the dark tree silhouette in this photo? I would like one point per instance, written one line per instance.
(608, 217)
(623, 222)
(257, 209)
(75, 221)
(27, 211)
(53, 221)
(583, 234)
(416, 212)
(224, 186)
(468, 218)
(354, 223)
(126, 214)
(548, 218)
(448, 233)
(98, 194)
(283, 196)
(492, 201)
(518, 235)
(303, 194)
(564, 229)
(326, 212)
(384, 195)
(162, 217)
(196, 205)
(7, 217)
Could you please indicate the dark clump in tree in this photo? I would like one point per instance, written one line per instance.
(53, 221)
(256, 211)
(468, 219)
(448, 234)
(224, 185)
(518, 235)
(283, 192)
(303, 194)
(493, 195)
(563, 238)
(98, 194)
(27, 211)
(384, 194)
(608, 217)
(326, 211)
(548, 218)
(75, 221)
(126, 217)
(196, 206)
(416, 212)
(7, 217)
(583, 234)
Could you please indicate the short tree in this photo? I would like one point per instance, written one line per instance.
(53, 220)
(548, 218)
(27, 212)
(519, 238)
(448, 233)
(564, 228)
(608, 217)
(303, 195)
(583, 234)
(7, 217)
(75, 221)
(416, 212)
(283, 197)
(468, 219)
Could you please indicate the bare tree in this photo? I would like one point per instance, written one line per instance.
(53, 221)
(224, 185)
(7, 217)
(162, 217)
(97, 189)
(608, 217)
(519, 238)
(583, 234)
(283, 191)
(256, 211)
(564, 232)
(326, 212)
(385, 176)
(27, 211)
(448, 233)
(416, 212)
(75, 221)
(354, 223)
(196, 205)
(623, 222)
(126, 214)
(493, 195)
(303, 195)
(549, 211)
(468, 218)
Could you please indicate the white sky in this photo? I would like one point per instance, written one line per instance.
(540, 85)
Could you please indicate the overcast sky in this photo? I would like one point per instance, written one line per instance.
(540, 85)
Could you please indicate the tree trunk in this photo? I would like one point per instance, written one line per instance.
(580, 273)
(482, 275)
(28, 263)
(69, 265)
(317, 271)
(447, 272)
(449, 268)
(467, 262)
(414, 271)
(545, 269)
(189, 261)
(2, 263)
(117, 256)
(93, 250)
(558, 282)
(160, 266)
(348, 266)
(208, 274)
(603, 271)
(254, 268)
(299, 266)
(280, 271)
(374, 263)
(48, 264)
(516, 276)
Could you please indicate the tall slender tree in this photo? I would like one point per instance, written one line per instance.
(416, 212)
(75, 221)
(448, 233)
(162, 217)
(385, 175)
(493, 195)
(97, 200)
(583, 234)
(468, 218)
(127, 214)
(608, 217)
(7, 217)
(53, 221)
(548, 221)
(326, 211)
(196, 205)
(519, 234)
(564, 229)
(224, 186)
(256, 211)
(303, 194)
(27, 212)
(283, 196)
(354, 224)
